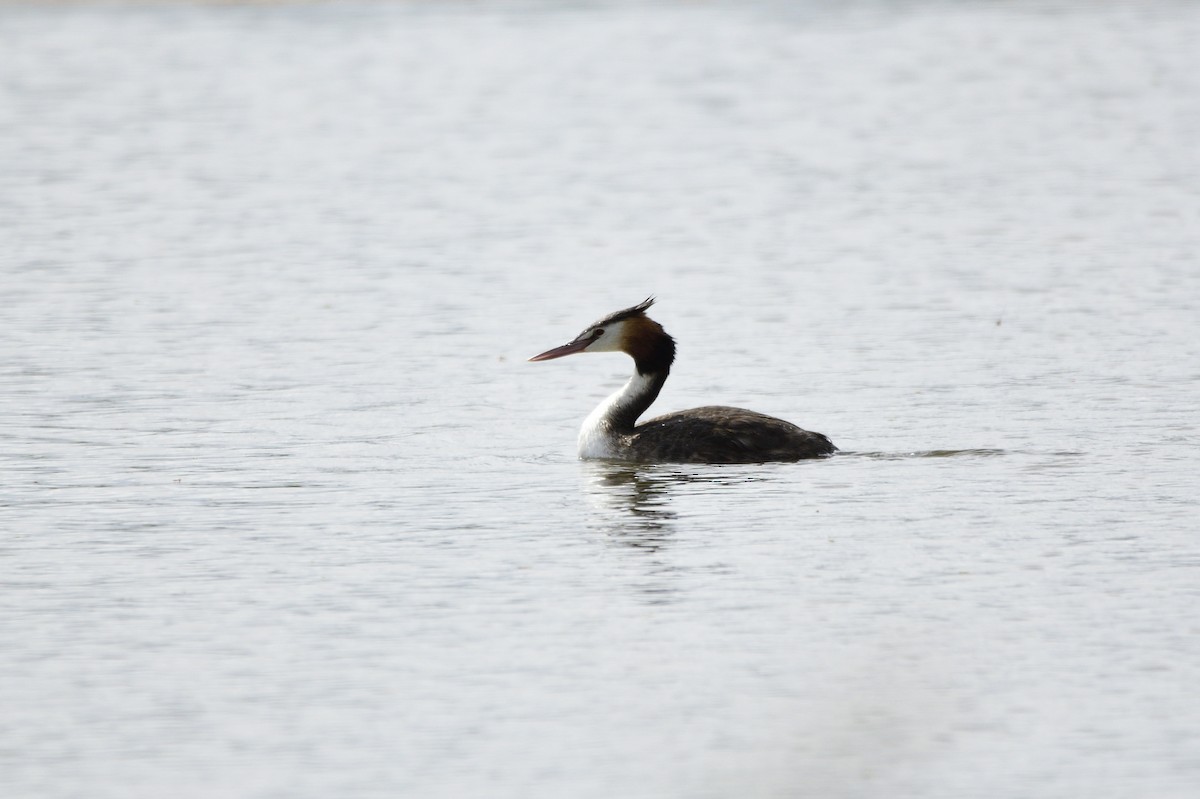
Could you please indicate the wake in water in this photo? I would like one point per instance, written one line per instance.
(928, 453)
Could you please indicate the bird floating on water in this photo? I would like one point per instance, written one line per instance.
(712, 434)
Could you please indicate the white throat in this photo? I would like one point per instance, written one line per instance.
(599, 437)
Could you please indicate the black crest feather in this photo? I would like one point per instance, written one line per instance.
(636, 310)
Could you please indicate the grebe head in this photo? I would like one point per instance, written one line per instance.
(629, 331)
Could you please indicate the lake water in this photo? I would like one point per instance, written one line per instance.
(285, 513)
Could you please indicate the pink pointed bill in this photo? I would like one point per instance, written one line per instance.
(566, 349)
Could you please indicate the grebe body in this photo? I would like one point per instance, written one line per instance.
(712, 434)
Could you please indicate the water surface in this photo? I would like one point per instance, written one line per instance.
(286, 513)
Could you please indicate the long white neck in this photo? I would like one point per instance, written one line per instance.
(601, 434)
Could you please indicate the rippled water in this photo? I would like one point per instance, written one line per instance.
(285, 513)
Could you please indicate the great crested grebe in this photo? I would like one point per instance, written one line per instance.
(712, 434)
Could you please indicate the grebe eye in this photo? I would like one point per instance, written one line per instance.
(598, 332)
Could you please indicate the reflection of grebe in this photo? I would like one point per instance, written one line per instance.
(712, 434)
(632, 503)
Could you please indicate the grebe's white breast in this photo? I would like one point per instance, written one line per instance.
(597, 441)
(597, 438)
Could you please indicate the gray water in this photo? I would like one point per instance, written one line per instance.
(285, 513)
